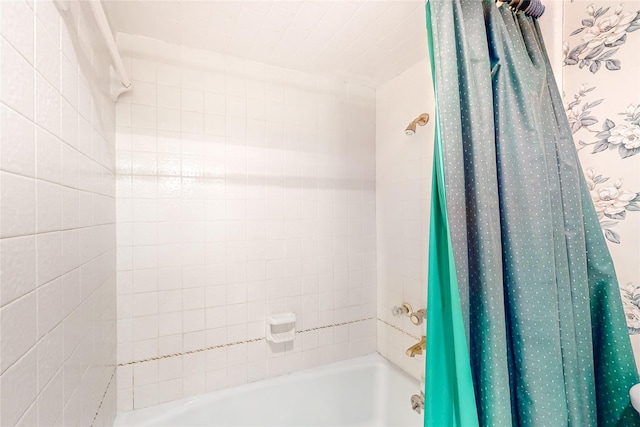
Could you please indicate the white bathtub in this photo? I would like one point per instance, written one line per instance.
(365, 391)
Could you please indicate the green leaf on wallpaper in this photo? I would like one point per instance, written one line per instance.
(578, 50)
(600, 179)
(608, 54)
(617, 216)
(612, 64)
(588, 121)
(570, 61)
(618, 42)
(594, 103)
(573, 104)
(575, 127)
(600, 146)
(600, 12)
(633, 207)
(578, 31)
(632, 28)
(594, 67)
(588, 22)
(595, 52)
(607, 223)
(625, 152)
(608, 124)
(612, 236)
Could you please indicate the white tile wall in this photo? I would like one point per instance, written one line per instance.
(242, 190)
(57, 220)
(403, 191)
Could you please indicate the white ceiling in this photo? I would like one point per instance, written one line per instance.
(366, 41)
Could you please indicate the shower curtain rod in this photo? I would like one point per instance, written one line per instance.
(532, 8)
(124, 82)
(103, 24)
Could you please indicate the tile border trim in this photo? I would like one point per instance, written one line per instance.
(399, 329)
(213, 347)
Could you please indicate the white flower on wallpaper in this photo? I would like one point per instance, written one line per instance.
(612, 202)
(623, 136)
(631, 302)
(602, 35)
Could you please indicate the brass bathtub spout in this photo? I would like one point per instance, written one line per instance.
(417, 348)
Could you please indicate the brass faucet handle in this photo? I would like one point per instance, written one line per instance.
(417, 317)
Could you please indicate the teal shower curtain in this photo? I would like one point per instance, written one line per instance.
(525, 324)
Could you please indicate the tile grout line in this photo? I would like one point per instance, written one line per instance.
(49, 181)
(213, 347)
(113, 374)
(397, 328)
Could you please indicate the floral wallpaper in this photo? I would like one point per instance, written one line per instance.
(611, 201)
(601, 84)
(602, 32)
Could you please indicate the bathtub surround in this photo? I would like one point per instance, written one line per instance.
(57, 230)
(403, 186)
(403, 174)
(242, 190)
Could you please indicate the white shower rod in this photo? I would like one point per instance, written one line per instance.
(103, 24)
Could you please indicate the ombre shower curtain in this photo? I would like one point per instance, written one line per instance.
(525, 323)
